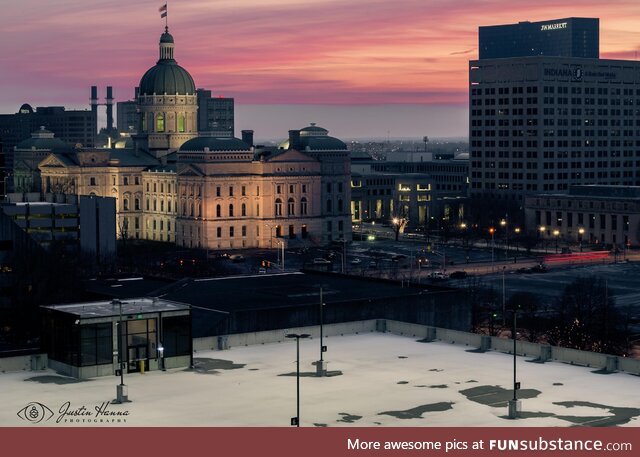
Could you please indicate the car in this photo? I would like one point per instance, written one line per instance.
(398, 257)
(438, 275)
(356, 261)
(538, 269)
(262, 271)
(321, 261)
(236, 258)
(458, 275)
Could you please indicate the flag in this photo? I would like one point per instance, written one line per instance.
(163, 10)
(163, 14)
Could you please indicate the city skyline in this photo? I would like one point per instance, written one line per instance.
(286, 62)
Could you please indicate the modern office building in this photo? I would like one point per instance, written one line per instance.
(215, 114)
(600, 215)
(541, 124)
(84, 224)
(127, 116)
(568, 37)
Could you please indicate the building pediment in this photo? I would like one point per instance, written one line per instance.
(55, 161)
(190, 170)
(291, 155)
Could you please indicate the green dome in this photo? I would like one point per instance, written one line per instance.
(214, 144)
(166, 37)
(167, 77)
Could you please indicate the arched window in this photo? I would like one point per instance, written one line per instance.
(191, 209)
(218, 211)
(136, 204)
(181, 123)
(230, 210)
(161, 205)
(303, 206)
(329, 208)
(125, 203)
(291, 207)
(244, 209)
(199, 209)
(184, 209)
(169, 205)
(278, 207)
(155, 205)
(160, 123)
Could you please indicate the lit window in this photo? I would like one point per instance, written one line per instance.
(160, 123)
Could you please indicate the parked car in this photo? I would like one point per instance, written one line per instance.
(237, 258)
(438, 275)
(458, 275)
(356, 261)
(321, 261)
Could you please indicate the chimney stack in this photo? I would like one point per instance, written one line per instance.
(247, 137)
(294, 139)
(109, 108)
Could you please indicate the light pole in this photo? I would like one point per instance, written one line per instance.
(121, 389)
(541, 231)
(517, 232)
(321, 365)
(514, 405)
(493, 232)
(580, 233)
(505, 223)
(556, 233)
(296, 420)
(504, 301)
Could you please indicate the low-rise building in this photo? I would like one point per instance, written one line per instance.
(595, 214)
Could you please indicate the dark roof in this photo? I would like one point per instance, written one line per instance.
(166, 37)
(167, 77)
(111, 308)
(124, 287)
(55, 145)
(215, 144)
(280, 291)
(127, 158)
(322, 143)
(315, 129)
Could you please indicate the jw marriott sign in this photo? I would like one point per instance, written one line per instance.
(556, 26)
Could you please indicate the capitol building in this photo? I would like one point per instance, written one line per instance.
(175, 185)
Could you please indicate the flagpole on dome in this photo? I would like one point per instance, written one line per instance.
(163, 14)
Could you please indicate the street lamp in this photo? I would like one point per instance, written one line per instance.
(541, 231)
(121, 389)
(296, 420)
(580, 233)
(514, 405)
(492, 231)
(517, 232)
(321, 365)
(556, 233)
(505, 223)
(396, 225)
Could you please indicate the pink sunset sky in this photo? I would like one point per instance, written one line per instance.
(357, 67)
